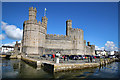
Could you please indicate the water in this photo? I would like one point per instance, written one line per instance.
(15, 68)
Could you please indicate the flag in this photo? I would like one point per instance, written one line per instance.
(45, 9)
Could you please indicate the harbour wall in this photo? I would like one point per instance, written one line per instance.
(54, 67)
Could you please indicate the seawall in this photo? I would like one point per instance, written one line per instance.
(54, 67)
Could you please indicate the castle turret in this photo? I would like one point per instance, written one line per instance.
(32, 13)
(88, 43)
(44, 23)
(68, 27)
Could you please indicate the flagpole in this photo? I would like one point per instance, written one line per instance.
(44, 12)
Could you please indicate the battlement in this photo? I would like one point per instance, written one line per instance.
(76, 29)
(69, 20)
(32, 22)
(32, 9)
(57, 37)
(93, 46)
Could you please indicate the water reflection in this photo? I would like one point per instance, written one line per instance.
(15, 68)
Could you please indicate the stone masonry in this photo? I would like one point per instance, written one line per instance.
(36, 41)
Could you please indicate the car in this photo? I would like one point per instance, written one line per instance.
(61, 57)
(102, 57)
(76, 57)
(106, 56)
(93, 57)
(86, 56)
(43, 56)
(111, 56)
(81, 57)
(97, 56)
(73, 57)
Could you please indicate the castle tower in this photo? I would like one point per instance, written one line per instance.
(44, 23)
(68, 27)
(42, 35)
(88, 43)
(78, 41)
(92, 49)
(32, 13)
(30, 33)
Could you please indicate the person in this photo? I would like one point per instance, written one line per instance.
(53, 56)
(88, 58)
(91, 58)
(68, 58)
(64, 58)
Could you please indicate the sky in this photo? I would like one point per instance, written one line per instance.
(99, 20)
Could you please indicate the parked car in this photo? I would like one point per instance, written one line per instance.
(86, 56)
(106, 56)
(94, 57)
(43, 56)
(61, 57)
(79, 57)
(111, 56)
(97, 56)
(83, 57)
(73, 57)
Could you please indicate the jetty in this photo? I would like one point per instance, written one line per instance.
(51, 66)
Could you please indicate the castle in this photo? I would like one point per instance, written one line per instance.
(36, 41)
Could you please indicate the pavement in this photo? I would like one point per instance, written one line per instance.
(62, 60)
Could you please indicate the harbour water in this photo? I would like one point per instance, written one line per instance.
(15, 68)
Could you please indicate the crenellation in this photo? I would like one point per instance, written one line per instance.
(31, 8)
(35, 9)
(25, 22)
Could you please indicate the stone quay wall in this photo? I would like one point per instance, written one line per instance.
(53, 67)
(66, 67)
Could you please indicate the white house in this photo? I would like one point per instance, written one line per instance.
(112, 53)
(101, 52)
(104, 53)
(6, 49)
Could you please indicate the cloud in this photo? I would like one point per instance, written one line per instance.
(10, 44)
(2, 37)
(12, 31)
(109, 46)
(97, 48)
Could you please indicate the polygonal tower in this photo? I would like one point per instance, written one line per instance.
(68, 27)
(30, 33)
(33, 34)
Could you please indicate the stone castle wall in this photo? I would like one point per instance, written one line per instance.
(37, 41)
